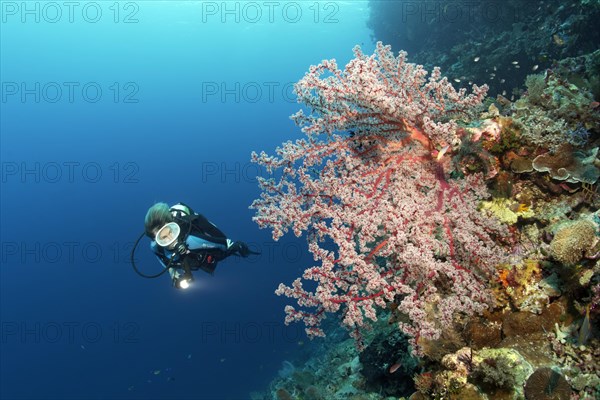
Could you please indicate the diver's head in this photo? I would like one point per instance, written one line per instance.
(168, 235)
(157, 216)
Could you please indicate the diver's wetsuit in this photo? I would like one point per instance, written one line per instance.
(206, 244)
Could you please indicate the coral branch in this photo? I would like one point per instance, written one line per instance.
(403, 231)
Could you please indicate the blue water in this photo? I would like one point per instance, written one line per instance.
(108, 107)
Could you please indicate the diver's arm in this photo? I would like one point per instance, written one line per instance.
(163, 258)
(164, 261)
(197, 243)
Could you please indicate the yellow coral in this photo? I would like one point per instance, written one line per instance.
(505, 210)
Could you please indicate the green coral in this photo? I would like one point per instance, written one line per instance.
(552, 108)
(502, 368)
(509, 138)
(495, 371)
(535, 87)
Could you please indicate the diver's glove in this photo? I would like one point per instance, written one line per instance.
(239, 249)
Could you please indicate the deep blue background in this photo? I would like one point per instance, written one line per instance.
(76, 321)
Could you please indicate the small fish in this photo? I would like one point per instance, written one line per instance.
(522, 208)
(223, 359)
(189, 356)
(495, 69)
(394, 367)
(156, 372)
(476, 59)
(585, 331)
(535, 67)
(504, 93)
(559, 41)
(515, 62)
(517, 66)
(456, 80)
(594, 104)
(82, 347)
(443, 151)
(502, 80)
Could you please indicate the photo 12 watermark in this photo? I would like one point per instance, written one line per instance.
(14, 332)
(69, 92)
(18, 253)
(235, 172)
(249, 332)
(74, 253)
(70, 12)
(69, 172)
(453, 12)
(274, 252)
(248, 92)
(254, 12)
(230, 172)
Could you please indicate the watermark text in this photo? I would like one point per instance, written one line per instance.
(53, 12)
(69, 172)
(253, 12)
(68, 332)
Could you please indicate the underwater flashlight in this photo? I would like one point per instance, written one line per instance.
(183, 281)
(184, 284)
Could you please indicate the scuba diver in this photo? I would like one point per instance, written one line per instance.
(185, 241)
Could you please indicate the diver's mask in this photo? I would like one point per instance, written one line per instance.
(167, 237)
